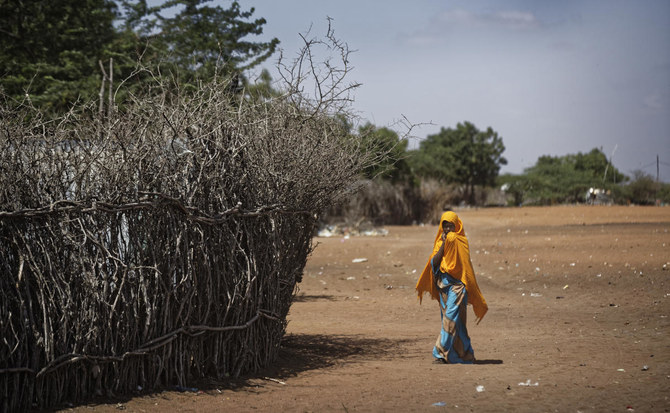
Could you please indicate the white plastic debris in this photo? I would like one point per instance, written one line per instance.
(528, 383)
(375, 232)
(480, 388)
(274, 380)
(325, 233)
(357, 260)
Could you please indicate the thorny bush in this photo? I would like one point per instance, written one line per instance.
(163, 242)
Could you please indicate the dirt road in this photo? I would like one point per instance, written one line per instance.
(579, 299)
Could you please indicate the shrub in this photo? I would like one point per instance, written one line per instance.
(163, 243)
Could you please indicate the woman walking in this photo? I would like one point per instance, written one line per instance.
(450, 279)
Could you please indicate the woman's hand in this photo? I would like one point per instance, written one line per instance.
(437, 258)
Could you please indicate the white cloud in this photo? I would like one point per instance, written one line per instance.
(440, 25)
(506, 19)
(516, 19)
(654, 101)
(457, 16)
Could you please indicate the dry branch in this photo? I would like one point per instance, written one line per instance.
(164, 242)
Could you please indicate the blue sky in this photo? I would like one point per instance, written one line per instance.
(551, 77)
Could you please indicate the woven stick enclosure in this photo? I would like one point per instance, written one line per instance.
(162, 243)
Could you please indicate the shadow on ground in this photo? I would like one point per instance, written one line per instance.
(298, 353)
(304, 298)
(304, 352)
(488, 362)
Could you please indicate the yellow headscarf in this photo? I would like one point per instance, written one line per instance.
(456, 262)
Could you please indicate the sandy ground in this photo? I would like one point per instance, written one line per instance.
(579, 299)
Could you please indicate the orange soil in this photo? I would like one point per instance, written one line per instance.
(579, 299)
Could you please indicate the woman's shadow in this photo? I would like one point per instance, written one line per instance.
(488, 361)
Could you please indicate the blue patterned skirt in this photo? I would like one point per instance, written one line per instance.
(453, 344)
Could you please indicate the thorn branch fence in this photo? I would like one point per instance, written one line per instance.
(163, 243)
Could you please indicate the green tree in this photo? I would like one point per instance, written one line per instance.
(200, 39)
(643, 189)
(595, 163)
(560, 179)
(555, 180)
(663, 194)
(464, 155)
(390, 150)
(49, 50)
(515, 186)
